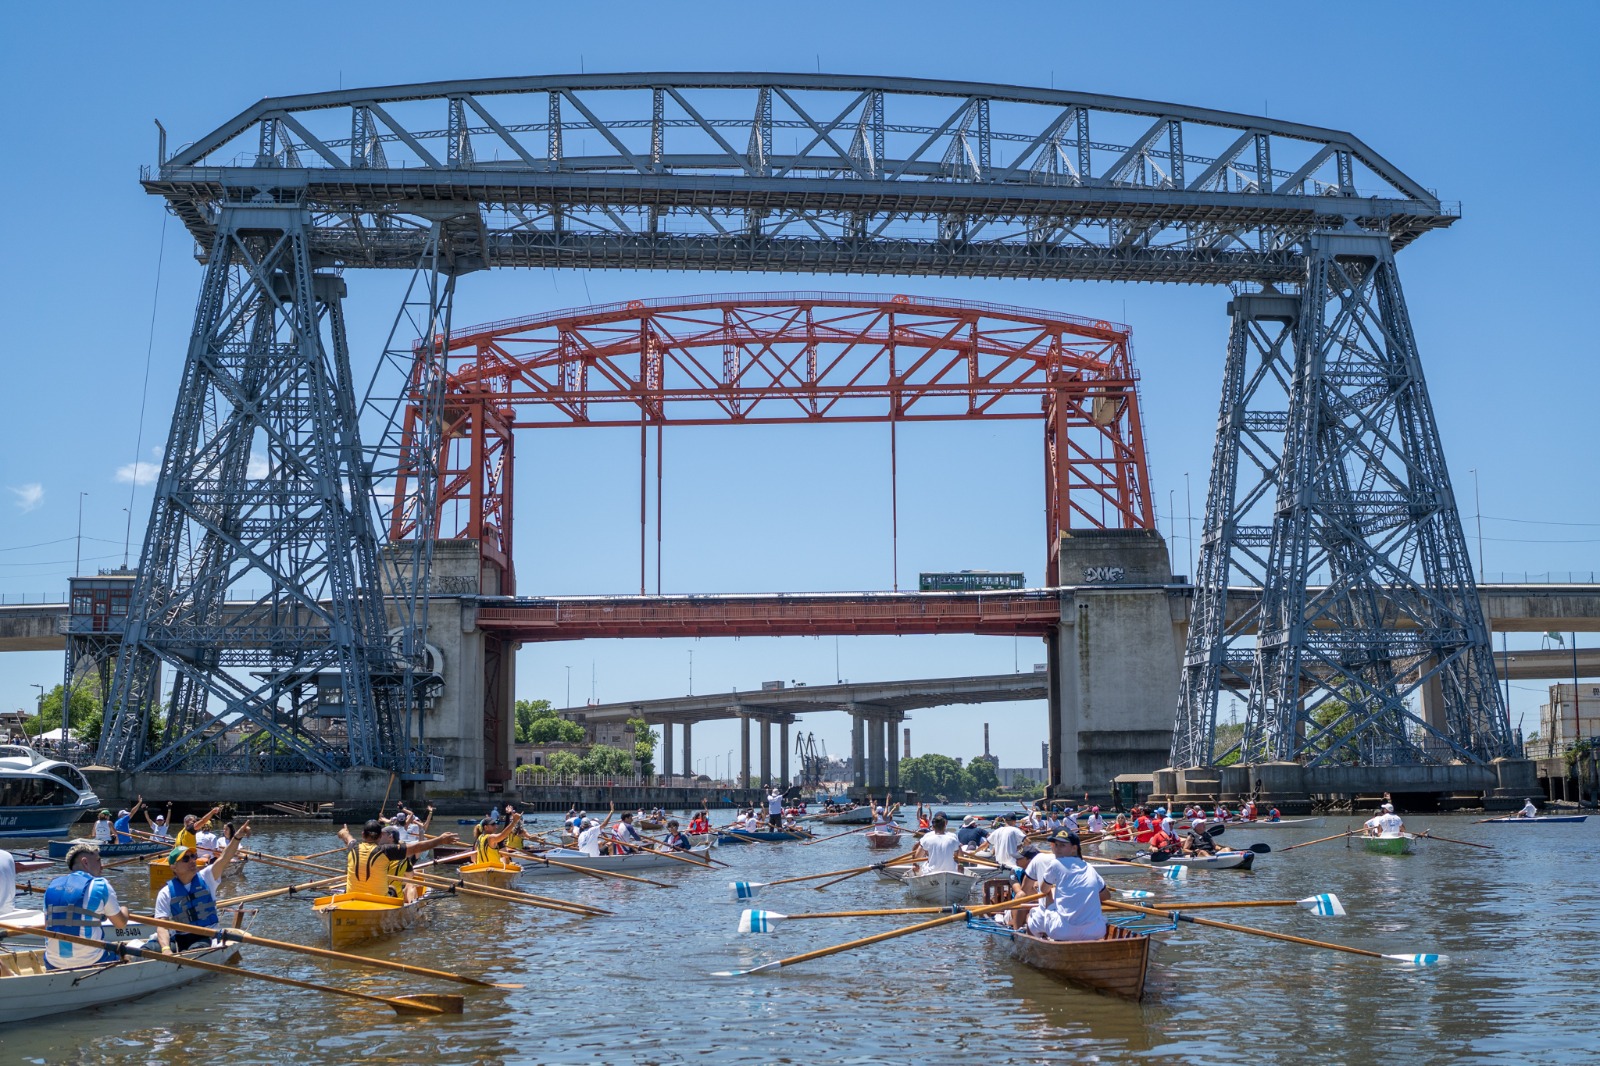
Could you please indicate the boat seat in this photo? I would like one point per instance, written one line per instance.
(21, 963)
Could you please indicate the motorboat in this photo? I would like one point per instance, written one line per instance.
(40, 796)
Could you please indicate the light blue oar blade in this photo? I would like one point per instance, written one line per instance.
(1324, 905)
(1418, 960)
(1137, 893)
(1175, 872)
(740, 973)
(738, 890)
(759, 921)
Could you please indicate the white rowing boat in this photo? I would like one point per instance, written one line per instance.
(28, 990)
(627, 864)
(942, 887)
(1263, 823)
(35, 920)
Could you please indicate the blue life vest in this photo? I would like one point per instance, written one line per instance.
(192, 903)
(64, 913)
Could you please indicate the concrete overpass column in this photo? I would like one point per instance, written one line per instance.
(744, 751)
(875, 755)
(766, 752)
(666, 749)
(857, 750)
(783, 756)
(688, 751)
(893, 727)
(1433, 700)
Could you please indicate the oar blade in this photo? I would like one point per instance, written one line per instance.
(1175, 872)
(1260, 849)
(1324, 905)
(427, 1003)
(738, 890)
(759, 921)
(1137, 893)
(763, 968)
(1418, 960)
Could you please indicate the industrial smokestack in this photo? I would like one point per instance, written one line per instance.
(908, 742)
(986, 740)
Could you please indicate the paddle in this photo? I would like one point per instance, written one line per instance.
(1427, 834)
(960, 915)
(662, 844)
(836, 836)
(875, 866)
(244, 937)
(1319, 840)
(386, 794)
(416, 1004)
(767, 921)
(454, 886)
(1170, 872)
(740, 890)
(1418, 960)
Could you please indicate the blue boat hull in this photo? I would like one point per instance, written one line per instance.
(41, 821)
(59, 848)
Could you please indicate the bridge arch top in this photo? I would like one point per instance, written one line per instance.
(818, 172)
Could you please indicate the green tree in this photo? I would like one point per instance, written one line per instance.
(564, 762)
(982, 778)
(538, 723)
(935, 775)
(86, 713)
(607, 761)
(644, 746)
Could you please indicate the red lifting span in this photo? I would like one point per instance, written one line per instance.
(791, 357)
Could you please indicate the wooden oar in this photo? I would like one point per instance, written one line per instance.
(286, 890)
(848, 832)
(1427, 834)
(244, 937)
(709, 861)
(319, 854)
(453, 886)
(528, 856)
(417, 1004)
(386, 791)
(738, 890)
(897, 860)
(659, 851)
(1319, 840)
(1419, 960)
(1325, 904)
(766, 921)
(960, 915)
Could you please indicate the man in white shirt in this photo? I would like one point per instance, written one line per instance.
(938, 848)
(1389, 823)
(1073, 893)
(191, 895)
(1005, 842)
(624, 833)
(1097, 824)
(589, 832)
(775, 809)
(74, 903)
(1528, 810)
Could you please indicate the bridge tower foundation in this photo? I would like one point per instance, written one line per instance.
(1113, 659)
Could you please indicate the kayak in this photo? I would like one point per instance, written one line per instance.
(1222, 860)
(1543, 819)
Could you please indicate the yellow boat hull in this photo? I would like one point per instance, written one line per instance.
(490, 874)
(357, 917)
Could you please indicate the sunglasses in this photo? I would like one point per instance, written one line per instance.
(190, 857)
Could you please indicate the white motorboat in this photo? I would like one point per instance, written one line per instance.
(40, 796)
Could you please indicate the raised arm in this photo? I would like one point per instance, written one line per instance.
(413, 850)
(220, 864)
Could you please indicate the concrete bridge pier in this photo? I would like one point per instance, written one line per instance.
(688, 750)
(666, 749)
(1113, 660)
(744, 749)
(783, 755)
(875, 755)
(766, 752)
(891, 727)
(858, 778)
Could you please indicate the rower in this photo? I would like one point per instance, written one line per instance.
(191, 825)
(938, 846)
(1528, 810)
(191, 895)
(369, 859)
(971, 834)
(1097, 824)
(486, 839)
(102, 828)
(400, 869)
(1004, 841)
(8, 882)
(589, 834)
(74, 903)
(775, 808)
(626, 838)
(1163, 845)
(1073, 892)
(158, 826)
(123, 826)
(676, 840)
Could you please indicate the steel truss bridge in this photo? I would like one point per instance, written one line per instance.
(1328, 465)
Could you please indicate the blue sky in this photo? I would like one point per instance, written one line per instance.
(1485, 108)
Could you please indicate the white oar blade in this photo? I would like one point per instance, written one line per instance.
(1418, 960)
(1324, 905)
(754, 969)
(1137, 893)
(1175, 872)
(738, 890)
(759, 921)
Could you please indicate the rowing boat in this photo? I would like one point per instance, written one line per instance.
(356, 917)
(766, 836)
(1118, 849)
(633, 860)
(1388, 844)
(941, 887)
(32, 919)
(1263, 823)
(59, 848)
(882, 841)
(1543, 819)
(1115, 964)
(490, 874)
(854, 816)
(1222, 860)
(28, 990)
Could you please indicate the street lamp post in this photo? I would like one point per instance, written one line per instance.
(569, 686)
(732, 779)
(1477, 507)
(66, 697)
(40, 712)
(716, 769)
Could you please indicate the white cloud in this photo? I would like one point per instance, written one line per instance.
(258, 469)
(28, 496)
(138, 473)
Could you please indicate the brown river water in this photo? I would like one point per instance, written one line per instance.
(1520, 926)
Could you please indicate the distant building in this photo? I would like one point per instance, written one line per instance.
(1011, 776)
(1572, 714)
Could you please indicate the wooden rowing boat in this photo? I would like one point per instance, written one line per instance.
(1115, 964)
(1118, 849)
(882, 841)
(490, 874)
(356, 917)
(28, 990)
(1388, 844)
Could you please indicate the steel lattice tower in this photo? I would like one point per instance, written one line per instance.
(1367, 589)
(263, 484)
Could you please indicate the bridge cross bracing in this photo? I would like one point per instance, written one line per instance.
(771, 173)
